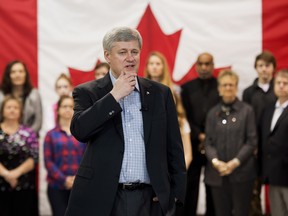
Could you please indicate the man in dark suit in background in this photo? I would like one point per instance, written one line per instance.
(259, 95)
(273, 138)
(134, 162)
(199, 96)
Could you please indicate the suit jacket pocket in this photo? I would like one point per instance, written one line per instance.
(85, 172)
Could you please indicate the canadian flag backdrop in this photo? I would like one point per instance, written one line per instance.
(66, 35)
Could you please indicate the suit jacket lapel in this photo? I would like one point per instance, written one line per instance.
(147, 98)
(266, 120)
(105, 86)
(281, 117)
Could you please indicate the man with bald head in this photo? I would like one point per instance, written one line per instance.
(199, 95)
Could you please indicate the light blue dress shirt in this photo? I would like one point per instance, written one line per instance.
(134, 167)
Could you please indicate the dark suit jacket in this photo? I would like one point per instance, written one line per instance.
(198, 97)
(97, 121)
(274, 148)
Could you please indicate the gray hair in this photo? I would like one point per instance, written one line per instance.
(119, 34)
(227, 72)
(282, 73)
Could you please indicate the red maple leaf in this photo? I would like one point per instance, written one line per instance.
(80, 76)
(155, 40)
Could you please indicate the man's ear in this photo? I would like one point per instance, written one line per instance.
(107, 56)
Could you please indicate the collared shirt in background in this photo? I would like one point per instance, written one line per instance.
(62, 156)
(277, 113)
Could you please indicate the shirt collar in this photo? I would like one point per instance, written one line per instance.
(57, 127)
(113, 80)
(284, 105)
(264, 86)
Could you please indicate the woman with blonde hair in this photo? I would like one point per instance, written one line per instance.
(157, 70)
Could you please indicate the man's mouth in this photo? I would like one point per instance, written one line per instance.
(129, 66)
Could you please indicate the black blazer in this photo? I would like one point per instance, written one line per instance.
(97, 121)
(198, 97)
(274, 148)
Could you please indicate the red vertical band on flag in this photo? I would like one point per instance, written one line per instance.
(275, 37)
(18, 34)
(275, 31)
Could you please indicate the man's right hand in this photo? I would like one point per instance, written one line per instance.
(124, 85)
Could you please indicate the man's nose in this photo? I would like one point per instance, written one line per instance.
(129, 57)
(203, 67)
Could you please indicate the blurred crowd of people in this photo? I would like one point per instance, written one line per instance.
(242, 144)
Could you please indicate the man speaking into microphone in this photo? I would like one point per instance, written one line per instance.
(134, 163)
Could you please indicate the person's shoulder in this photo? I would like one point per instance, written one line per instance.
(215, 110)
(248, 89)
(34, 92)
(251, 87)
(88, 85)
(197, 83)
(242, 105)
(34, 95)
(152, 84)
(189, 83)
(26, 131)
(270, 106)
(54, 130)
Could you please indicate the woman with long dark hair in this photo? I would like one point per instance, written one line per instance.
(16, 82)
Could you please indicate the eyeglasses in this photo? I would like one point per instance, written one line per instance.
(230, 85)
(66, 106)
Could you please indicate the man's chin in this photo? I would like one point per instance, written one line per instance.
(205, 76)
